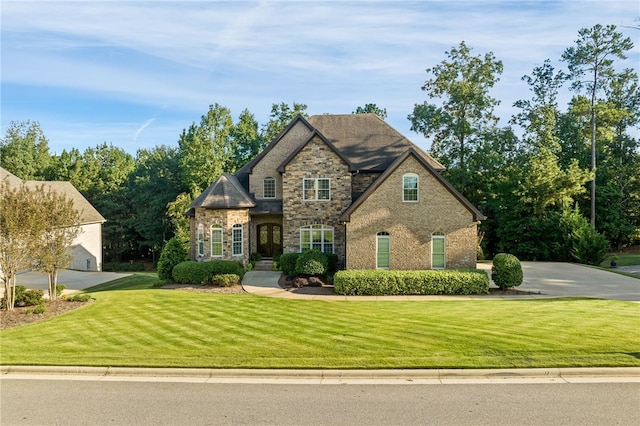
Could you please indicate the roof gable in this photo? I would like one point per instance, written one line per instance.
(247, 168)
(88, 213)
(313, 135)
(224, 193)
(477, 215)
(366, 140)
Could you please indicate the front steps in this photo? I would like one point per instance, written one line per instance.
(264, 265)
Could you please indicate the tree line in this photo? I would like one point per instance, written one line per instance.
(556, 183)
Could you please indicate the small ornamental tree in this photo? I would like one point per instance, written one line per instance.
(506, 271)
(61, 227)
(172, 254)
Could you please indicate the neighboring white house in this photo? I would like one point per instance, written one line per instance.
(87, 247)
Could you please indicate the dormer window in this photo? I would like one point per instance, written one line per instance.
(410, 188)
(269, 187)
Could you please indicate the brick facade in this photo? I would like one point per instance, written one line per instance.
(411, 224)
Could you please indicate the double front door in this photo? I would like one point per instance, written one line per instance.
(269, 239)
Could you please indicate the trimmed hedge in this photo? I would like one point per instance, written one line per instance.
(383, 283)
(312, 262)
(191, 272)
(506, 271)
(225, 280)
(288, 263)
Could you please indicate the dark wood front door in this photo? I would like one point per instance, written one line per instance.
(269, 239)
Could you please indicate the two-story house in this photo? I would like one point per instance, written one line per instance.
(346, 184)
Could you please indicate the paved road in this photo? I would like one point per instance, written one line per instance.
(99, 402)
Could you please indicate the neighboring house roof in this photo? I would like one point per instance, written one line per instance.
(14, 180)
(88, 213)
(346, 215)
(316, 133)
(225, 193)
(366, 140)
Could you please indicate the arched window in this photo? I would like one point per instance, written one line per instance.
(216, 241)
(383, 250)
(237, 240)
(438, 251)
(316, 237)
(269, 187)
(200, 240)
(410, 187)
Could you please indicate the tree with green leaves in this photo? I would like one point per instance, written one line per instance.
(21, 223)
(206, 150)
(591, 66)
(24, 150)
(61, 227)
(465, 115)
(280, 117)
(546, 182)
(106, 171)
(155, 182)
(247, 140)
(371, 109)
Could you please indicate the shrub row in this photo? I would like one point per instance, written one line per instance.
(191, 272)
(382, 282)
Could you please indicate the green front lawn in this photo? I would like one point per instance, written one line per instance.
(627, 259)
(133, 324)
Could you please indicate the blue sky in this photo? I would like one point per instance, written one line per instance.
(136, 73)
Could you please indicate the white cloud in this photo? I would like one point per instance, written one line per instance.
(331, 55)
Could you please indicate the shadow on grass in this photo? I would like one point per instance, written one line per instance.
(136, 281)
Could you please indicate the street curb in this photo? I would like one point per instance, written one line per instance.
(401, 374)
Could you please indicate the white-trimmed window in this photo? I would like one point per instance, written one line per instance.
(269, 187)
(200, 240)
(410, 187)
(316, 237)
(237, 240)
(216, 241)
(383, 250)
(438, 251)
(316, 189)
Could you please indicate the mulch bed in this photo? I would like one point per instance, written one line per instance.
(20, 316)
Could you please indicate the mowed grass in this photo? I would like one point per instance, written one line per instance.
(132, 324)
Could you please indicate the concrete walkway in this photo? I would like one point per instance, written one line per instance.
(541, 280)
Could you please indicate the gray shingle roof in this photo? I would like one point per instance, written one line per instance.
(366, 140)
(225, 193)
(88, 213)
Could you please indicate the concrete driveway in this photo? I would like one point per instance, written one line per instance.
(73, 280)
(554, 279)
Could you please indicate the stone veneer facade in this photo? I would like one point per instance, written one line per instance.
(315, 160)
(226, 218)
(411, 224)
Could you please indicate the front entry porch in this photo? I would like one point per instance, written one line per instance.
(269, 239)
